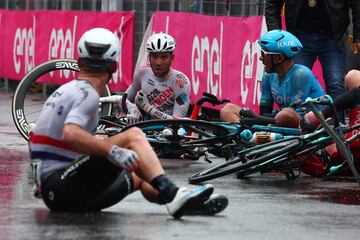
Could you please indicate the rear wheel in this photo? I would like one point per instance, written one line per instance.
(30, 94)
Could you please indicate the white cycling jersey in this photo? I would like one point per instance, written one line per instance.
(75, 102)
(170, 95)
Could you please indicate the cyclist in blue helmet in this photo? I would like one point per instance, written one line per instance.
(280, 41)
(283, 81)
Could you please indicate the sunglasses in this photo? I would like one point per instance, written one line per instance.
(264, 53)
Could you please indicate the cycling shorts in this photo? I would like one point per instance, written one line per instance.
(90, 183)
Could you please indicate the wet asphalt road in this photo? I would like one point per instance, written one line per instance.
(260, 207)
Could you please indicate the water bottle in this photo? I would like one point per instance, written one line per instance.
(264, 137)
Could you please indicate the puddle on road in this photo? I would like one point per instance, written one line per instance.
(341, 196)
(10, 170)
(343, 191)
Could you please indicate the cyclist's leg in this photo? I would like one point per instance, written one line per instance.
(352, 79)
(308, 54)
(332, 60)
(313, 165)
(75, 187)
(287, 117)
(154, 185)
(135, 140)
(230, 113)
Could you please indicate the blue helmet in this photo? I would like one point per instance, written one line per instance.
(280, 41)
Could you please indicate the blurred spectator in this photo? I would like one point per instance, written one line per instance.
(189, 6)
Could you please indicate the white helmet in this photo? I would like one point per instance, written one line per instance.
(99, 44)
(160, 42)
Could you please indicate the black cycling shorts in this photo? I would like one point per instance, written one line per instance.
(90, 183)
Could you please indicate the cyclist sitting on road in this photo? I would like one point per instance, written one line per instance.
(160, 91)
(315, 166)
(283, 82)
(75, 171)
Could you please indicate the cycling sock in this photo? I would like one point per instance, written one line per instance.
(167, 189)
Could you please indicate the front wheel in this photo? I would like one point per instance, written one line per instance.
(177, 136)
(248, 161)
(30, 95)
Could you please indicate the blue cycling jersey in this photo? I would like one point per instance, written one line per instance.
(298, 83)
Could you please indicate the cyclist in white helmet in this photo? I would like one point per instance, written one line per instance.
(158, 90)
(75, 171)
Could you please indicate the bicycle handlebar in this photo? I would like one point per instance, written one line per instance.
(210, 98)
(123, 103)
(207, 97)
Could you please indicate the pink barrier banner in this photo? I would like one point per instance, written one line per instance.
(30, 38)
(220, 55)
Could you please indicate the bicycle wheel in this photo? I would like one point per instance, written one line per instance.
(286, 163)
(28, 101)
(174, 135)
(249, 159)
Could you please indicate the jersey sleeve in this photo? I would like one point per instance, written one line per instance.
(266, 100)
(84, 108)
(307, 86)
(181, 96)
(135, 86)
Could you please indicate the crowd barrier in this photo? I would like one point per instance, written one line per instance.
(29, 38)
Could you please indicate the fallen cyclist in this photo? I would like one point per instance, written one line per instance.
(315, 165)
(75, 171)
(158, 91)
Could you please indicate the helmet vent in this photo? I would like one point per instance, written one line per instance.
(295, 49)
(96, 50)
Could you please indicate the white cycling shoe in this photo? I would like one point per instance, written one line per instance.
(186, 198)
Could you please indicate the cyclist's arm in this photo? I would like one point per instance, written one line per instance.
(181, 98)
(266, 100)
(306, 86)
(155, 113)
(273, 14)
(343, 102)
(135, 85)
(80, 121)
(132, 91)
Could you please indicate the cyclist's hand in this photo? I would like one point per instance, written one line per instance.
(141, 100)
(309, 123)
(133, 116)
(123, 158)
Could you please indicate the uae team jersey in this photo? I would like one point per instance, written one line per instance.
(170, 95)
(75, 102)
(298, 83)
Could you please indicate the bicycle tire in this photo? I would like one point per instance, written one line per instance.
(274, 151)
(208, 135)
(18, 107)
